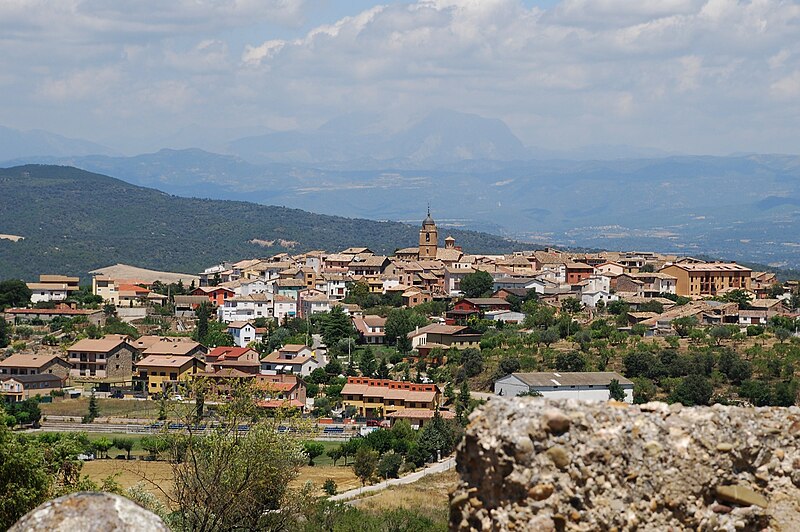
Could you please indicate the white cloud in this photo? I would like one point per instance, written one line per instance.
(678, 74)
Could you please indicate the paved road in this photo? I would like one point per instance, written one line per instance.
(438, 467)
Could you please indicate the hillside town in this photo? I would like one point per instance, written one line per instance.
(380, 359)
(266, 320)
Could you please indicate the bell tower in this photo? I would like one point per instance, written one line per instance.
(428, 238)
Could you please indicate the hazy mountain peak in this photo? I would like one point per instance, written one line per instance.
(15, 143)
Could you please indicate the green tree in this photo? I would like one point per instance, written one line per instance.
(549, 336)
(693, 390)
(389, 465)
(571, 305)
(366, 363)
(741, 297)
(25, 477)
(720, 333)
(14, 293)
(102, 445)
(124, 444)
(571, 361)
(334, 454)
(383, 370)
(94, 409)
(5, 333)
(757, 392)
(437, 436)
(477, 284)
(400, 322)
(782, 334)
(463, 402)
(203, 313)
(471, 362)
(684, 326)
(615, 391)
(313, 449)
(364, 464)
(644, 390)
(336, 325)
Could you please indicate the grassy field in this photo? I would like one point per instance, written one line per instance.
(429, 496)
(134, 471)
(108, 407)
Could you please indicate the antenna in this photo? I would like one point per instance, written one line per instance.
(429, 208)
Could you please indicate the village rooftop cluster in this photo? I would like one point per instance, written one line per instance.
(253, 296)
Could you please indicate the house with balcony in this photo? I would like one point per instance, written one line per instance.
(20, 387)
(292, 358)
(377, 398)
(165, 373)
(108, 359)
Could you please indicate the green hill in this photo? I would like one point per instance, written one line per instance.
(74, 221)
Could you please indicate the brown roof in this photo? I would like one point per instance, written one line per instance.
(100, 345)
(419, 413)
(578, 378)
(171, 348)
(169, 361)
(20, 360)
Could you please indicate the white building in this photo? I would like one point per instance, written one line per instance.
(596, 288)
(243, 333)
(244, 308)
(585, 386)
(47, 292)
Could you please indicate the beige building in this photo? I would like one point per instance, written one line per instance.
(708, 278)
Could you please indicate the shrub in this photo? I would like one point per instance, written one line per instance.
(329, 486)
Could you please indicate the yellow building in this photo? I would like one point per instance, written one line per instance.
(379, 397)
(158, 373)
(708, 278)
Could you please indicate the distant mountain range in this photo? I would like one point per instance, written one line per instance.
(15, 144)
(477, 175)
(74, 221)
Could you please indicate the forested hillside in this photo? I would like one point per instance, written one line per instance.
(73, 221)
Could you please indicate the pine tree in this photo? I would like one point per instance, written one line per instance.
(462, 403)
(94, 409)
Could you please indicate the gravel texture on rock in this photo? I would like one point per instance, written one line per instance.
(533, 464)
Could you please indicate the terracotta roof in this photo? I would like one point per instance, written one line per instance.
(228, 353)
(277, 403)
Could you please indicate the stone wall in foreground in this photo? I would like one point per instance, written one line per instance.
(531, 464)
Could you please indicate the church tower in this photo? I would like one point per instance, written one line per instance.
(428, 238)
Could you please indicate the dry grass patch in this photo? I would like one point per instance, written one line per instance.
(130, 472)
(125, 408)
(343, 476)
(429, 496)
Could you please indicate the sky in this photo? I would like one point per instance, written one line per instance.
(690, 76)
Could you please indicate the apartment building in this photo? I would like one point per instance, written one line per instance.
(379, 397)
(708, 278)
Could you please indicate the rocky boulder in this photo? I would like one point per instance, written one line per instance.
(532, 464)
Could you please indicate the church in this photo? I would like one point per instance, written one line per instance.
(429, 245)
